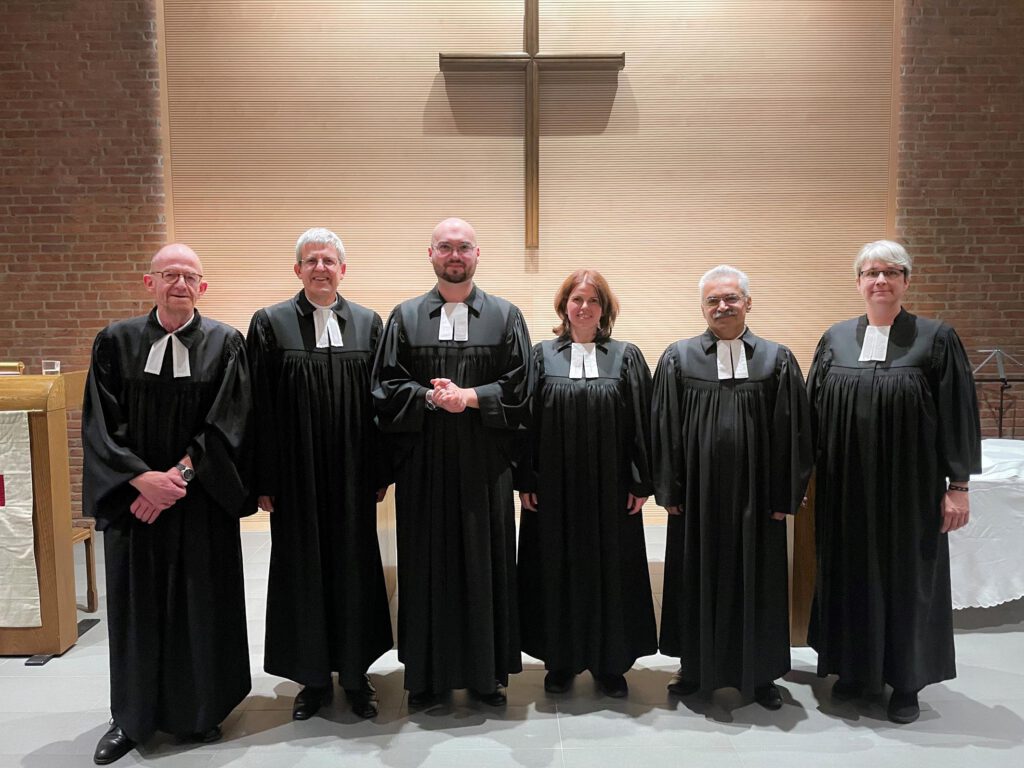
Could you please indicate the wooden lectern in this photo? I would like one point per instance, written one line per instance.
(801, 594)
(47, 399)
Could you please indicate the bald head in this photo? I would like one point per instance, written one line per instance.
(176, 253)
(453, 252)
(175, 279)
(453, 228)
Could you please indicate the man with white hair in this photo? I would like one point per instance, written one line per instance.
(165, 437)
(320, 473)
(732, 457)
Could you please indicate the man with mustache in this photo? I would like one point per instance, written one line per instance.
(450, 384)
(165, 436)
(732, 457)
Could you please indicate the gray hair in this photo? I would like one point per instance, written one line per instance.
(319, 236)
(885, 251)
(724, 270)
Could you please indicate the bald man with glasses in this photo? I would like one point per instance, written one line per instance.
(165, 434)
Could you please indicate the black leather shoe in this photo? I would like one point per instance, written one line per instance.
(845, 690)
(768, 696)
(558, 680)
(680, 686)
(363, 700)
(421, 699)
(209, 736)
(113, 745)
(310, 699)
(495, 698)
(612, 685)
(903, 707)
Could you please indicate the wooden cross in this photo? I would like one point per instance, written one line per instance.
(532, 62)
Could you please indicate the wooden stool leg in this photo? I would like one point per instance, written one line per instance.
(92, 598)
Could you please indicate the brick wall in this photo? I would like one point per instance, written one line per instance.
(81, 198)
(961, 175)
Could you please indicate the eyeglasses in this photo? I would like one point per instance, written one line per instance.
(310, 262)
(170, 277)
(445, 248)
(730, 299)
(889, 274)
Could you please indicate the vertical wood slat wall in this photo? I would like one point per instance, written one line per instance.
(755, 133)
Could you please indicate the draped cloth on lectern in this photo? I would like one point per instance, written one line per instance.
(19, 580)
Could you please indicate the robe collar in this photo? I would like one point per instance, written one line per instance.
(563, 343)
(903, 332)
(708, 340)
(434, 301)
(188, 335)
(341, 308)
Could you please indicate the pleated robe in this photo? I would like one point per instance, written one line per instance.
(179, 658)
(888, 436)
(730, 452)
(319, 455)
(458, 623)
(584, 584)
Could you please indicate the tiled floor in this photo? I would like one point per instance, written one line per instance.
(53, 715)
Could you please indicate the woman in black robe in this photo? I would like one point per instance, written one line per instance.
(584, 587)
(897, 438)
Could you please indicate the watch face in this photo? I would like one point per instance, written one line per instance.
(187, 473)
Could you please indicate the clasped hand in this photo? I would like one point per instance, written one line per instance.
(157, 492)
(452, 398)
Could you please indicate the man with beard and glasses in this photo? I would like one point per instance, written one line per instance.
(320, 471)
(732, 457)
(451, 383)
(165, 435)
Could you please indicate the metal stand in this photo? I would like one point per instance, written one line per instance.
(1004, 381)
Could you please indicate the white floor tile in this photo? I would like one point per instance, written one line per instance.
(52, 716)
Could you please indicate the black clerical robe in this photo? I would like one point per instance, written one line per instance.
(318, 455)
(458, 624)
(888, 435)
(730, 452)
(179, 660)
(584, 585)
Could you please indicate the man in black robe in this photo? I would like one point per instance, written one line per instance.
(451, 383)
(320, 473)
(164, 429)
(732, 457)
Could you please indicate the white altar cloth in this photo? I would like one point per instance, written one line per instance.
(987, 555)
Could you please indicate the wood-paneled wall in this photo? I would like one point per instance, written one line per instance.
(758, 134)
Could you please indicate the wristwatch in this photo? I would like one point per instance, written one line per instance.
(187, 473)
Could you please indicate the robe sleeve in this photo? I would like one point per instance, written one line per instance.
(504, 404)
(819, 369)
(260, 342)
(109, 459)
(667, 456)
(397, 397)
(640, 387)
(791, 446)
(525, 469)
(956, 401)
(383, 471)
(221, 451)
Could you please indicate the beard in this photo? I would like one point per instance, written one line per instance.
(454, 272)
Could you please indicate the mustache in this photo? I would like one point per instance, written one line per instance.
(726, 313)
